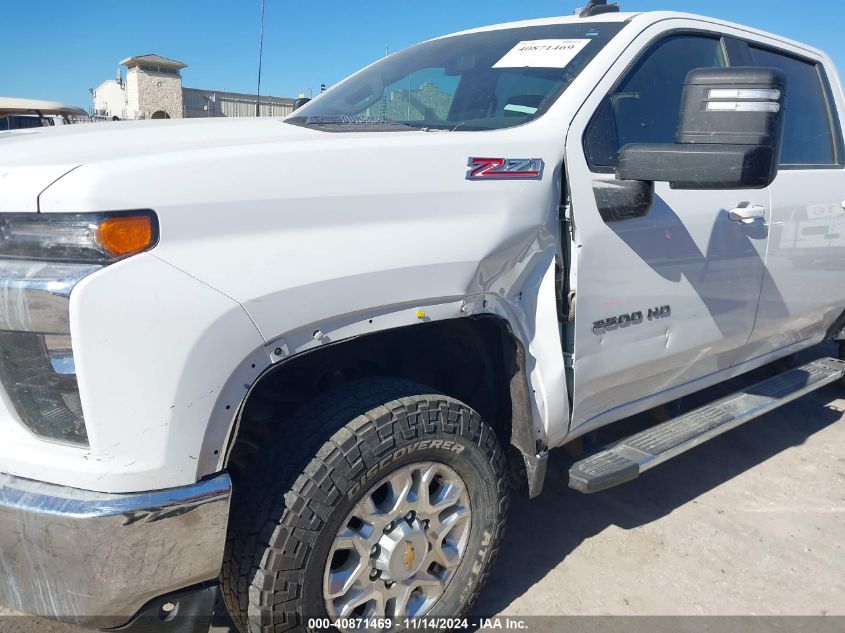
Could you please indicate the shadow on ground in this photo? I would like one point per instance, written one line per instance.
(542, 532)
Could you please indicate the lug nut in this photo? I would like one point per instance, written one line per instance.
(375, 574)
(388, 583)
(374, 550)
(389, 527)
(410, 516)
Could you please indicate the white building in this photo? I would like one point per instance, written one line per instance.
(152, 89)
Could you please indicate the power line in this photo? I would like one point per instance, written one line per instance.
(260, 57)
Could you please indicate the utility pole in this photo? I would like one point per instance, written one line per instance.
(384, 96)
(260, 57)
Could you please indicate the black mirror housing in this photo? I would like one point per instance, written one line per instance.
(700, 166)
(729, 133)
(732, 106)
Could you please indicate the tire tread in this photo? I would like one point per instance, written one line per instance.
(343, 430)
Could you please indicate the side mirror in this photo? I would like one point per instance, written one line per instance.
(729, 134)
(298, 103)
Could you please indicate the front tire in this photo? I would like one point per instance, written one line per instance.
(383, 498)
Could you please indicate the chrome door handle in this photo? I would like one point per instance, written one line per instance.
(747, 213)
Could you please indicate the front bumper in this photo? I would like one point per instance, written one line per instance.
(96, 559)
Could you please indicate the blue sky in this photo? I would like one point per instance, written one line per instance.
(54, 49)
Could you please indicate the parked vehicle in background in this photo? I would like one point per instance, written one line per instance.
(308, 356)
(19, 114)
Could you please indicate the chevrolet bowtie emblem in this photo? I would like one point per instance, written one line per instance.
(409, 556)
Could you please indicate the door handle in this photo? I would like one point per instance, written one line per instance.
(747, 213)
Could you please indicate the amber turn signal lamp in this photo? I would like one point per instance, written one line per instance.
(125, 235)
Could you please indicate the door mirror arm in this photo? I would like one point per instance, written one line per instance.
(619, 200)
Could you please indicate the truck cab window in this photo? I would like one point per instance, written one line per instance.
(808, 136)
(644, 106)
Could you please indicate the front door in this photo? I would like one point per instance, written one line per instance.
(664, 300)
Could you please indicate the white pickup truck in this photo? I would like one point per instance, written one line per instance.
(307, 357)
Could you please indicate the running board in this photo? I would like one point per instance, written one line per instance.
(624, 461)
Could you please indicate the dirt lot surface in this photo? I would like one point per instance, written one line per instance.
(752, 523)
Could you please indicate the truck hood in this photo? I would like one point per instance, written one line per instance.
(31, 160)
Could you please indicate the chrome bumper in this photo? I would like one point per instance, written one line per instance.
(95, 559)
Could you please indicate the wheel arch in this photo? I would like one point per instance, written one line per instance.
(478, 359)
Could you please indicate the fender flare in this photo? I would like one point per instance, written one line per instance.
(527, 430)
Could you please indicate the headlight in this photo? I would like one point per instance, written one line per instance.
(41, 383)
(76, 237)
(42, 257)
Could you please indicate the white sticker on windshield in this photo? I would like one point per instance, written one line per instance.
(542, 54)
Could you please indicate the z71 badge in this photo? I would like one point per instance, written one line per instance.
(505, 169)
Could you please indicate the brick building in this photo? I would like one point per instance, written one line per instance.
(151, 88)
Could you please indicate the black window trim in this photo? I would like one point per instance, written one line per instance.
(833, 116)
(647, 49)
(830, 105)
(738, 50)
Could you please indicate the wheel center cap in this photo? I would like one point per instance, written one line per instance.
(402, 551)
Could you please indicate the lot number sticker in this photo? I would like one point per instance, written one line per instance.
(542, 54)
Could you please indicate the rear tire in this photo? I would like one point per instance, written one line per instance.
(290, 507)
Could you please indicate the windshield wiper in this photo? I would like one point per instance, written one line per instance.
(368, 123)
(345, 120)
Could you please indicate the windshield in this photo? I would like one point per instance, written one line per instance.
(479, 81)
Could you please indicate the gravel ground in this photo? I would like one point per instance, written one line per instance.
(752, 523)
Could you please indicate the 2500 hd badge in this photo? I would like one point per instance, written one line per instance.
(634, 318)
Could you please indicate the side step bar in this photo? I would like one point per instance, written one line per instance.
(625, 460)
